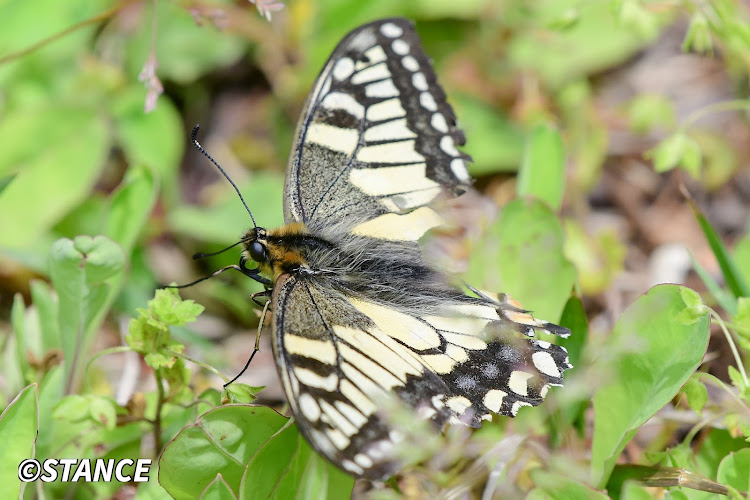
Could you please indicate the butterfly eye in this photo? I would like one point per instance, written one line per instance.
(257, 252)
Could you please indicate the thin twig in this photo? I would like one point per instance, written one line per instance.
(159, 407)
(92, 20)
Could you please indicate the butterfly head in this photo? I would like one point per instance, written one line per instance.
(256, 245)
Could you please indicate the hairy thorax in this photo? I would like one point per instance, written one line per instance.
(286, 249)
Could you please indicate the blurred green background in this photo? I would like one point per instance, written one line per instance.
(613, 109)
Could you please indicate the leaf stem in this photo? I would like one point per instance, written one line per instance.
(732, 346)
(104, 352)
(199, 363)
(718, 107)
(159, 407)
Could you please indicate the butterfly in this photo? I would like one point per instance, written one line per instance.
(359, 318)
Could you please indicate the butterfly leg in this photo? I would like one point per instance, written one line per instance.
(257, 337)
(264, 293)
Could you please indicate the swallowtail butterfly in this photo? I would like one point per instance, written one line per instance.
(359, 318)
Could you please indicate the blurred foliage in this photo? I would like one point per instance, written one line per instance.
(101, 203)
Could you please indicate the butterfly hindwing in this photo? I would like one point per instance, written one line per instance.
(334, 373)
(342, 359)
(377, 141)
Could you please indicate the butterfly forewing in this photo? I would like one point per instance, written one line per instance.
(377, 141)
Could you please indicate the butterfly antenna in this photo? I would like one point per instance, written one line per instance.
(202, 255)
(193, 137)
(215, 273)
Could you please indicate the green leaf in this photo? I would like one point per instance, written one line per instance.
(732, 276)
(18, 321)
(648, 111)
(634, 491)
(99, 410)
(586, 135)
(5, 181)
(660, 357)
(186, 49)
(691, 298)
(79, 270)
(734, 470)
(698, 36)
(24, 26)
(272, 462)
(177, 375)
(95, 259)
(574, 318)
(550, 486)
(72, 408)
(152, 490)
(51, 391)
(164, 310)
(724, 298)
(694, 310)
(149, 334)
(42, 188)
(286, 467)
(565, 20)
(154, 139)
(320, 478)
(738, 381)
(638, 18)
(18, 429)
(598, 258)
(573, 408)
(218, 489)
(713, 448)
(692, 158)
(46, 304)
(549, 58)
(103, 411)
(130, 207)
(742, 317)
(496, 143)
(222, 441)
(677, 150)
(697, 394)
(719, 158)
(522, 255)
(742, 258)
(469, 10)
(675, 495)
(542, 173)
(242, 393)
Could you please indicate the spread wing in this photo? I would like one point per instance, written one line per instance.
(343, 359)
(377, 140)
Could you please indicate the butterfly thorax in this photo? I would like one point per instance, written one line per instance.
(283, 250)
